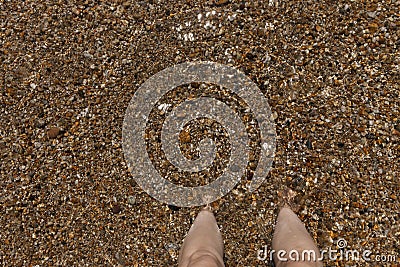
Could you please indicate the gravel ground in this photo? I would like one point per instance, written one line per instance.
(330, 70)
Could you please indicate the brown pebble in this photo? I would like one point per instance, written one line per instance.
(10, 91)
(116, 208)
(185, 136)
(137, 16)
(373, 27)
(221, 2)
(395, 132)
(53, 132)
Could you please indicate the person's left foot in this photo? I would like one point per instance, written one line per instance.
(203, 245)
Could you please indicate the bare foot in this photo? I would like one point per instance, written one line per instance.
(207, 208)
(286, 199)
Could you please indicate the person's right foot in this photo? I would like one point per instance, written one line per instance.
(292, 238)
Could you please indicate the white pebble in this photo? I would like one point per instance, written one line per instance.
(164, 107)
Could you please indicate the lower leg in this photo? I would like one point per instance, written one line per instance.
(203, 244)
(292, 238)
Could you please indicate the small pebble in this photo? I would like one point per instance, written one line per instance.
(131, 200)
(173, 208)
(53, 132)
(221, 2)
(116, 208)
